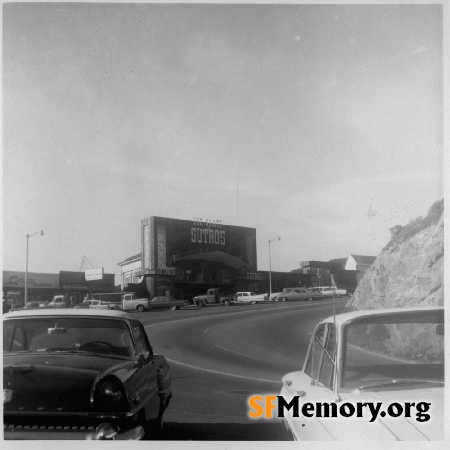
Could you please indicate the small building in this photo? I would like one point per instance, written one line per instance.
(320, 271)
(360, 263)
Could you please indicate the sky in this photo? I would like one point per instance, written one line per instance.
(321, 124)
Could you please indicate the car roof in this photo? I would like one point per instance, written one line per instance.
(343, 318)
(113, 314)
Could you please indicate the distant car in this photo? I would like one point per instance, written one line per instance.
(331, 291)
(59, 301)
(375, 357)
(81, 374)
(29, 305)
(249, 297)
(96, 303)
(166, 301)
(291, 294)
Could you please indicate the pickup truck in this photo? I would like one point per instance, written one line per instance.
(212, 297)
(131, 303)
(59, 301)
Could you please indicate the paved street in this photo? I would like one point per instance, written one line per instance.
(222, 355)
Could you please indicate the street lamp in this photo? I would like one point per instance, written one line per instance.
(270, 266)
(26, 265)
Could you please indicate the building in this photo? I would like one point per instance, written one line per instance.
(184, 258)
(331, 273)
(131, 268)
(320, 271)
(42, 287)
(282, 280)
(360, 263)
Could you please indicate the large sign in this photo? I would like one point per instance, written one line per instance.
(93, 274)
(34, 280)
(166, 241)
(207, 236)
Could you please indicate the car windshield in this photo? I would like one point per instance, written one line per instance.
(70, 335)
(394, 351)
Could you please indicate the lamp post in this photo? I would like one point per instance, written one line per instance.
(26, 265)
(270, 266)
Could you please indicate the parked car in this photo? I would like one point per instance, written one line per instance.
(59, 301)
(166, 301)
(30, 305)
(81, 374)
(390, 356)
(291, 294)
(94, 304)
(249, 297)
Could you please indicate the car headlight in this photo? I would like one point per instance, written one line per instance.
(110, 394)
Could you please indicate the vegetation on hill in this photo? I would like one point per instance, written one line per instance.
(401, 234)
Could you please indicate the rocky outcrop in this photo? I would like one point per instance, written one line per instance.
(410, 269)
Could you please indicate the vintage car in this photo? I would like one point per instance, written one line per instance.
(166, 301)
(249, 297)
(81, 374)
(386, 357)
(95, 304)
(331, 291)
(291, 294)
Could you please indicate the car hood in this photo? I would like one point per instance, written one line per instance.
(410, 428)
(59, 383)
(382, 428)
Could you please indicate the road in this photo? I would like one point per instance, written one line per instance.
(222, 355)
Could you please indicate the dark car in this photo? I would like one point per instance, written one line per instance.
(290, 294)
(81, 374)
(166, 301)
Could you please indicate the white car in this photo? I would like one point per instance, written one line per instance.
(390, 361)
(93, 304)
(250, 297)
(330, 291)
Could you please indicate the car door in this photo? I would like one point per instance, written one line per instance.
(142, 385)
(318, 383)
(155, 303)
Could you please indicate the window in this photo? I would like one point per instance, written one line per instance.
(321, 357)
(66, 334)
(13, 339)
(138, 334)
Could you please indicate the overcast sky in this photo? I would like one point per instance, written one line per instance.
(321, 124)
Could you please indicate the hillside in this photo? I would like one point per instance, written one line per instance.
(410, 269)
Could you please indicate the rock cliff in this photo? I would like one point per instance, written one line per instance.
(410, 269)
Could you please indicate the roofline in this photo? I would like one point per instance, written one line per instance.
(342, 319)
(69, 312)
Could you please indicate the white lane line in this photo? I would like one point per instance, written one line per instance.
(242, 354)
(221, 373)
(214, 326)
